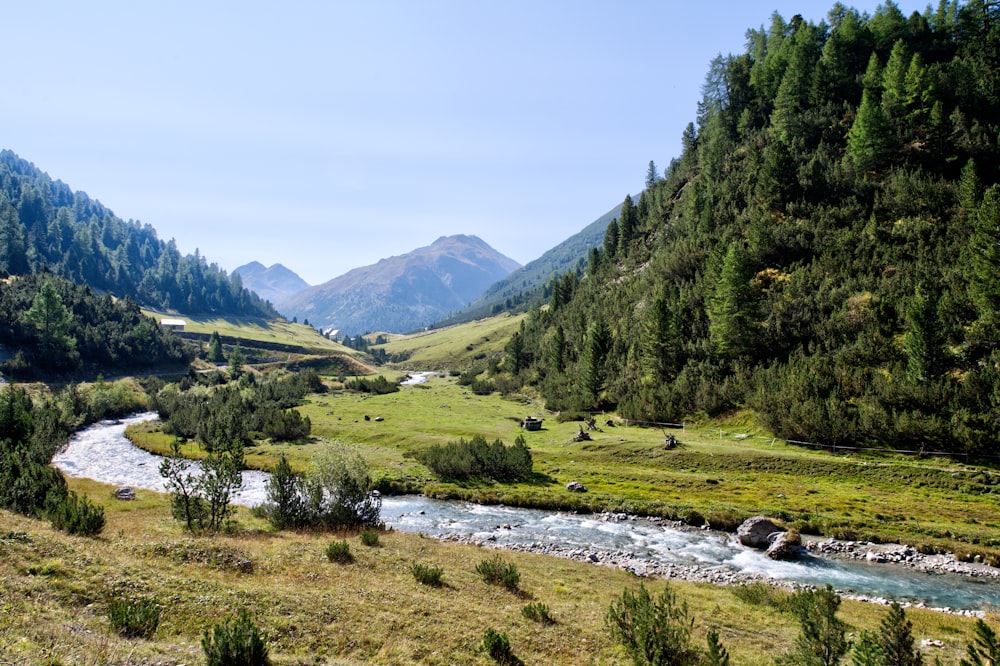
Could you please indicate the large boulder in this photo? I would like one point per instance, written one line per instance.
(787, 546)
(755, 532)
(576, 487)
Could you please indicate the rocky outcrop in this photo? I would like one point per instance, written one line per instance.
(756, 532)
(576, 487)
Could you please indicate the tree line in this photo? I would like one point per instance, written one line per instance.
(825, 251)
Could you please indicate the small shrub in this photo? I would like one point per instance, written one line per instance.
(497, 646)
(497, 572)
(537, 612)
(134, 617)
(653, 631)
(78, 515)
(339, 552)
(427, 575)
(237, 642)
(370, 538)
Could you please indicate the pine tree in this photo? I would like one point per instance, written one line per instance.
(822, 641)
(869, 139)
(985, 650)
(923, 341)
(895, 639)
(51, 321)
(651, 175)
(717, 654)
(730, 307)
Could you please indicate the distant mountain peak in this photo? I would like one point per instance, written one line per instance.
(275, 283)
(404, 292)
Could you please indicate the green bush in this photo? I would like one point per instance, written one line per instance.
(477, 458)
(653, 631)
(236, 642)
(427, 575)
(496, 571)
(339, 552)
(77, 515)
(537, 612)
(134, 618)
(497, 646)
(370, 538)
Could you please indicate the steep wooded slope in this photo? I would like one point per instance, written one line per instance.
(826, 250)
(44, 225)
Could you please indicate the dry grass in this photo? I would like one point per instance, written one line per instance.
(55, 589)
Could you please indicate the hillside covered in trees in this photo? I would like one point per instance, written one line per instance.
(825, 251)
(44, 225)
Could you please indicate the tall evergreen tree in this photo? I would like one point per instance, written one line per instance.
(729, 314)
(51, 321)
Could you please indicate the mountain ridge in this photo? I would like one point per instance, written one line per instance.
(275, 283)
(403, 292)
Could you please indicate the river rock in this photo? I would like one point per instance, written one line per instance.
(788, 546)
(125, 493)
(754, 532)
(576, 487)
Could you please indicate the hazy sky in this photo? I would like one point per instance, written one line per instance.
(327, 135)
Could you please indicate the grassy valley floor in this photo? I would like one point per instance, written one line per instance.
(721, 472)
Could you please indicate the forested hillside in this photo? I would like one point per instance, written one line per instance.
(46, 225)
(826, 250)
(51, 325)
(531, 284)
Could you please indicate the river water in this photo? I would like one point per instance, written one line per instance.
(103, 453)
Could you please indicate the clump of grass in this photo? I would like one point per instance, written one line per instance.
(134, 617)
(339, 552)
(496, 571)
(370, 538)
(427, 574)
(537, 612)
(761, 594)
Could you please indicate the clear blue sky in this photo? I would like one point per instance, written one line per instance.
(327, 135)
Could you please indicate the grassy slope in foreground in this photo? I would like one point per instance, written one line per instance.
(54, 591)
(724, 473)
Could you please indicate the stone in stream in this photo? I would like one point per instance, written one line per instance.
(755, 532)
(787, 546)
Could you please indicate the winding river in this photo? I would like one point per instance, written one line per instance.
(103, 453)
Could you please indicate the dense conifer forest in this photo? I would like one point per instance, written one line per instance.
(826, 250)
(44, 225)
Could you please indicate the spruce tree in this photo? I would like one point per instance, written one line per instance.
(895, 639)
(985, 649)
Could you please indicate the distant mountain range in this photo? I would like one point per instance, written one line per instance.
(274, 283)
(403, 293)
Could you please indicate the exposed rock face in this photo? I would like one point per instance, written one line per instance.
(754, 532)
(787, 546)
